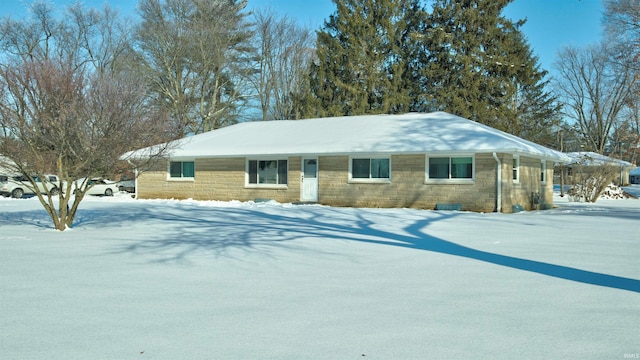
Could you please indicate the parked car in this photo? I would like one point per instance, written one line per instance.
(17, 186)
(127, 186)
(98, 186)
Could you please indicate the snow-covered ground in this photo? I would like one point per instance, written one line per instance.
(160, 279)
(633, 190)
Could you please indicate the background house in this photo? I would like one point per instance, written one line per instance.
(634, 176)
(588, 162)
(412, 160)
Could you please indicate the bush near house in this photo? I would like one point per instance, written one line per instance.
(589, 183)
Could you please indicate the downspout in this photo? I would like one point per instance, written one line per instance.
(499, 183)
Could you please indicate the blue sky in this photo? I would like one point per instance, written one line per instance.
(551, 24)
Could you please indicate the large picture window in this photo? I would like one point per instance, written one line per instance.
(181, 169)
(267, 172)
(448, 168)
(370, 168)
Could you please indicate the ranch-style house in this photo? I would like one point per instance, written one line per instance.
(417, 160)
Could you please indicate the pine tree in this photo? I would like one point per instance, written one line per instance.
(464, 57)
(360, 67)
(480, 66)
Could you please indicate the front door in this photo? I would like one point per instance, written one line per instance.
(309, 180)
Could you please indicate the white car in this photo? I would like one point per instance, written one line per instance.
(17, 186)
(98, 186)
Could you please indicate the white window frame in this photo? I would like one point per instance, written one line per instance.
(265, 186)
(450, 180)
(369, 180)
(515, 169)
(182, 178)
(543, 171)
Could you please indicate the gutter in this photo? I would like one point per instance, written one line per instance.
(499, 183)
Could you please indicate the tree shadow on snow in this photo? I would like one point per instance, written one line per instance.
(38, 218)
(221, 231)
(187, 230)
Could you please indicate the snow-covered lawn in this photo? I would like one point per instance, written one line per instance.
(158, 279)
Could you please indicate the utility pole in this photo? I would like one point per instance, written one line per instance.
(561, 166)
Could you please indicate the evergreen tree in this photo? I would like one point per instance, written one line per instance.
(360, 66)
(391, 56)
(534, 113)
(479, 66)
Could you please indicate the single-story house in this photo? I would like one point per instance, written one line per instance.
(588, 161)
(418, 160)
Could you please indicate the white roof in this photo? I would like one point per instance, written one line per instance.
(7, 166)
(591, 158)
(437, 132)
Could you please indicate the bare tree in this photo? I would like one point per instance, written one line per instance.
(86, 37)
(64, 109)
(594, 92)
(285, 52)
(622, 25)
(196, 57)
(625, 138)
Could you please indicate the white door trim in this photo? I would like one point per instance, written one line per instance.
(308, 183)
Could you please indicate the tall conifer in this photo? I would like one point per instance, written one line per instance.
(463, 57)
(360, 65)
(480, 66)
